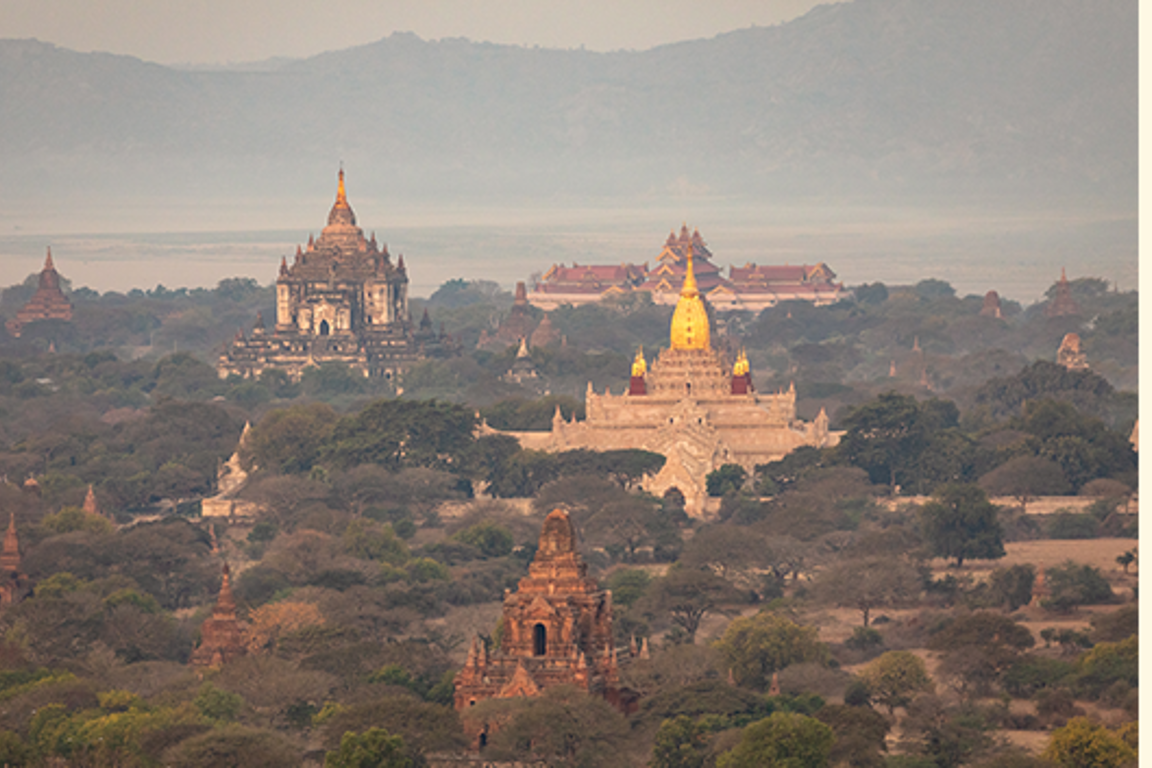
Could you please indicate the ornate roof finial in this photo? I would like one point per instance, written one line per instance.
(690, 325)
(639, 366)
(341, 198)
(48, 260)
(689, 287)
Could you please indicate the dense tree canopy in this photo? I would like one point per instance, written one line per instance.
(960, 522)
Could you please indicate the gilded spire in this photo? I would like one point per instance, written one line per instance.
(742, 366)
(690, 320)
(689, 288)
(49, 265)
(639, 367)
(341, 198)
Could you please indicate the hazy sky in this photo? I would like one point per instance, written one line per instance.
(220, 31)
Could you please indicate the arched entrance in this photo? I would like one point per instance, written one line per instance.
(324, 328)
(539, 640)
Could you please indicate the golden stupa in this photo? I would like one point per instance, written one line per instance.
(694, 406)
(690, 320)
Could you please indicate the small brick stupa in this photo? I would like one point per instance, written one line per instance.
(1062, 303)
(514, 328)
(557, 631)
(48, 303)
(13, 583)
(991, 306)
(221, 637)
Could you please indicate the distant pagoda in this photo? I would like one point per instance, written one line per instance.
(221, 636)
(342, 300)
(48, 303)
(14, 584)
(1062, 303)
(557, 631)
(1070, 355)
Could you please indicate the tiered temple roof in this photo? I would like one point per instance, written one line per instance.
(221, 636)
(557, 630)
(1062, 303)
(750, 287)
(48, 303)
(341, 300)
(692, 406)
(14, 584)
(514, 328)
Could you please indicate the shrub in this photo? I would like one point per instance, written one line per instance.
(1116, 626)
(1071, 525)
(864, 638)
(1108, 663)
(1073, 585)
(1012, 587)
(1084, 743)
(1034, 673)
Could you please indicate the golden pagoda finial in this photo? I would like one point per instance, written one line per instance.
(639, 366)
(741, 367)
(690, 328)
(689, 287)
(341, 198)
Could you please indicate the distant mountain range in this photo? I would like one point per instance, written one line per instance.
(892, 97)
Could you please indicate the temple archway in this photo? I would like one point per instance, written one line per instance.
(324, 328)
(539, 640)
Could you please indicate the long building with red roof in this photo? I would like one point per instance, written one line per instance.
(750, 287)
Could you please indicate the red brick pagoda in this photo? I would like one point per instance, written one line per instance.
(48, 303)
(221, 637)
(557, 630)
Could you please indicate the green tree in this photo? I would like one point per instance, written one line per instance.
(1074, 584)
(374, 748)
(1082, 743)
(563, 727)
(979, 648)
(404, 433)
(628, 585)
(1109, 663)
(881, 437)
(784, 739)
(867, 583)
(728, 478)
(1024, 478)
(860, 734)
(680, 743)
(218, 705)
(491, 539)
(289, 440)
(688, 595)
(233, 745)
(757, 646)
(960, 522)
(1012, 586)
(894, 677)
